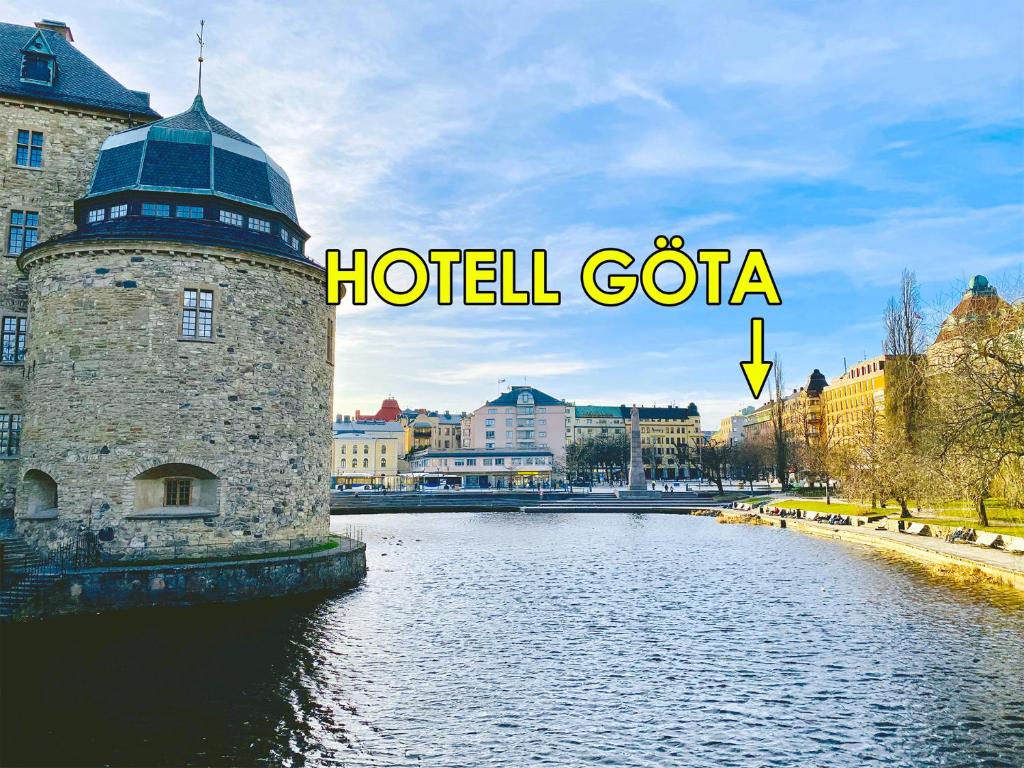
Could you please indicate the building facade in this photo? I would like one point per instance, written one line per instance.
(166, 321)
(389, 411)
(856, 395)
(523, 418)
(731, 428)
(671, 439)
(366, 452)
(594, 421)
(501, 468)
(56, 108)
(432, 429)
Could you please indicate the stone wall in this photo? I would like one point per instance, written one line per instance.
(112, 392)
(72, 139)
(89, 590)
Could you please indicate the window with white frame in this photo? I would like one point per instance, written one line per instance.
(15, 330)
(23, 232)
(188, 212)
(119, 211)
(259, 225)
(232, 218)
(197, 313)
(10, 433)
(97, 214)
(156, 209)
(29, 153)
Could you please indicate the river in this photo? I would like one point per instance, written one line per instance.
(484, 639)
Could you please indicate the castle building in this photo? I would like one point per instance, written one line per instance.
(177, 361)
(56, 108)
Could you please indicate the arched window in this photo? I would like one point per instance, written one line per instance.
(383, 463)
(41, 490)
(341, 464)
(366, 449)
(366, 463)
(176, 490)
(383, 449)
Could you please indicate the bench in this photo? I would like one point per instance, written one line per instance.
(983, 539)
(1014, 544)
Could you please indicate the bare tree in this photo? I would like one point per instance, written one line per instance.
(905, 381)
(779, 437)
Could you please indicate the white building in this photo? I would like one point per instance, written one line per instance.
(482, 468)
(523, 419)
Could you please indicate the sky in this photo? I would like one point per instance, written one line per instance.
(848, 141)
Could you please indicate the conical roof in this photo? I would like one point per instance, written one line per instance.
(193, 153)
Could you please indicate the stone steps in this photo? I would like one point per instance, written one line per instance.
(24, 574)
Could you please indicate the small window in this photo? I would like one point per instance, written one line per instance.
(97, 215)
(10, 433)
(14, 333)
(177, 492)
(232, 218)
(23, 232)
(295, 243)
(30, 149)
(156, 209)
(197, 314)
(119, 211)
(189, 212)
(383, 463)
(259, 225)
(286, 235)
(499, 462)
(341, 464)
(330, 341)
(383, 449)
(366, 463)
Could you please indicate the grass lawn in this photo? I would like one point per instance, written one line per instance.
(835, 507)
(1009, 522)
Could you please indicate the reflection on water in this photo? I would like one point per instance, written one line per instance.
(487, 639)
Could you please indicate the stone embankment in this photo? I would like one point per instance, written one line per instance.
(993, 558)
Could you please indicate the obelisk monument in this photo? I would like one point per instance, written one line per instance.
(637, 482)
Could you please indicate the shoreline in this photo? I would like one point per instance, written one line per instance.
(999, 566)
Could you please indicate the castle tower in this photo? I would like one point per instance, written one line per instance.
(180, 362)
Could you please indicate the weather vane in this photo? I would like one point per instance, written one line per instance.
(199, 37)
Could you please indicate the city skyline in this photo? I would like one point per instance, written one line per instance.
(685, 121)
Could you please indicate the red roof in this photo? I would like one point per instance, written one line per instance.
(389, 411)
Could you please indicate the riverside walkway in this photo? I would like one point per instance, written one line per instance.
(1007, 567)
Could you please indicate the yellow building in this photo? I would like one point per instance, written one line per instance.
(849, 397)
(431, 429)
(593, 421)
(673, 436)
(366, 452)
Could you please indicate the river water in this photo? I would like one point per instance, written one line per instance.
(484, 639)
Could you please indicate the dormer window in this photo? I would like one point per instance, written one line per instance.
(119, 211)
(97, 215)
(38, 64)
(232, 218)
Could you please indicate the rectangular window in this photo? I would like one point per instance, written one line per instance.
(23, 232)
(488, 462)
(156, 209)
(295, 243)
(459, 463)
(10, 433)
(97, 215)
(488, 422)
(330, 340)
(197, 314)
(232, 218)
(119, 211)
(177, 492)
(260, 225)
(489, 435)
(188, 212)
(470, 462)
(30, 149)
(499, 462)
(489, 445)
(14, 332)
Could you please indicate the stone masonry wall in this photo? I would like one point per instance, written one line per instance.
(71, 144)
(111, 392)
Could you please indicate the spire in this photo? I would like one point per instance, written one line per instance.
(199, 37)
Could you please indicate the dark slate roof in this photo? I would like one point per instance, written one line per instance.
(598, 411)
(79, 82)
(193, 153)
(188, 231)
(512, 397)
(666, 413)
(816, 382)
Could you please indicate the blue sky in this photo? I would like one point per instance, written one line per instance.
(846, 140)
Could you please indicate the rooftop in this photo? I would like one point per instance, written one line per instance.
(69, 77)
(519, 395)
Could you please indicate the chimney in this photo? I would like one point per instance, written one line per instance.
(57, 27)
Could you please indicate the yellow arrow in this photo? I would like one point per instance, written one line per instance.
(756, 370)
